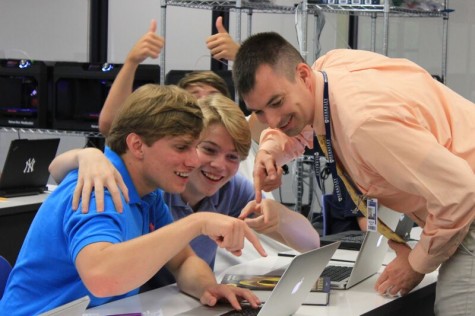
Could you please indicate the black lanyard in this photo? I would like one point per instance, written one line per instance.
(331, 163)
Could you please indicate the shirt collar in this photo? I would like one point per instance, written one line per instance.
(118, 163)
(175, 200)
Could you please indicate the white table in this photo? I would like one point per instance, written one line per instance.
(169, 301)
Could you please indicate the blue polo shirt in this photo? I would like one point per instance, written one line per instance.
(45, 275)
(229, 200)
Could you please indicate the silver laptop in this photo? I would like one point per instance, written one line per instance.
(25, 171)
(368, 262)
(396, 221)
(353, 239)
(74, 308)
(291, 290)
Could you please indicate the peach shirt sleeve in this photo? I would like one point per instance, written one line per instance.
(411, 146)
(284, 148)
(445, 181)
(421, 151)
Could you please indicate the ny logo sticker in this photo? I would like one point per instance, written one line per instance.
(29, 166)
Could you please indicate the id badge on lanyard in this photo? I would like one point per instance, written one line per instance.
(372, 218)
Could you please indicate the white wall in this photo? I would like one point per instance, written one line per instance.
(187, 30)
(420, 40)
(49, 30)
(57, 30)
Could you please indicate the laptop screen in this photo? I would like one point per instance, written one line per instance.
(26, 166)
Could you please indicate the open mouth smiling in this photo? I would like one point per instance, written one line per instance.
(182, 174)
(211, 177)
(286, 124)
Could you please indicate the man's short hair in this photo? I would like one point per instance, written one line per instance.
(153, 112)
(267, 48)
(218, 109)
(206, 77)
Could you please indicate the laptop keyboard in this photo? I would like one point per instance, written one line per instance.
(357, 238)
(350, 240)
(247, 310)
(337, 273)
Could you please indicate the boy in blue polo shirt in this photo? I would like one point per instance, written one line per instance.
(108, 255)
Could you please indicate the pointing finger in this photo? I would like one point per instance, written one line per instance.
(255, 241)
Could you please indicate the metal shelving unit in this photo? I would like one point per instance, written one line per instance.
(48, 132)
(385, 11)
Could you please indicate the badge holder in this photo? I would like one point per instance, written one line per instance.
(372, 218)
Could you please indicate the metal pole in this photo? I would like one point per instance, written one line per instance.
(386, 27)
(304, 50)
(445, 31)
(163, 24)
(238, 21)
(373, 31)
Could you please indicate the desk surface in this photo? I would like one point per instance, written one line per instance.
(21, 203)
(169, 301)
(27, 203)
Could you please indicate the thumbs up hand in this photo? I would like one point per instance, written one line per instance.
(221, 44)
(149, 45)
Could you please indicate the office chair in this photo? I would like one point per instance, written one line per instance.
(5, 269)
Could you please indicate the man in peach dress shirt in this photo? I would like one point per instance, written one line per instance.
(401, 136)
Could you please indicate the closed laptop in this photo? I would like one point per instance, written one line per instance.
(25, 171)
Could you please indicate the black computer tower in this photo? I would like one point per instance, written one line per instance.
(23, 93)
(80, 89)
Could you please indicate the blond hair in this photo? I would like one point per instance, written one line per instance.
(218, 109)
